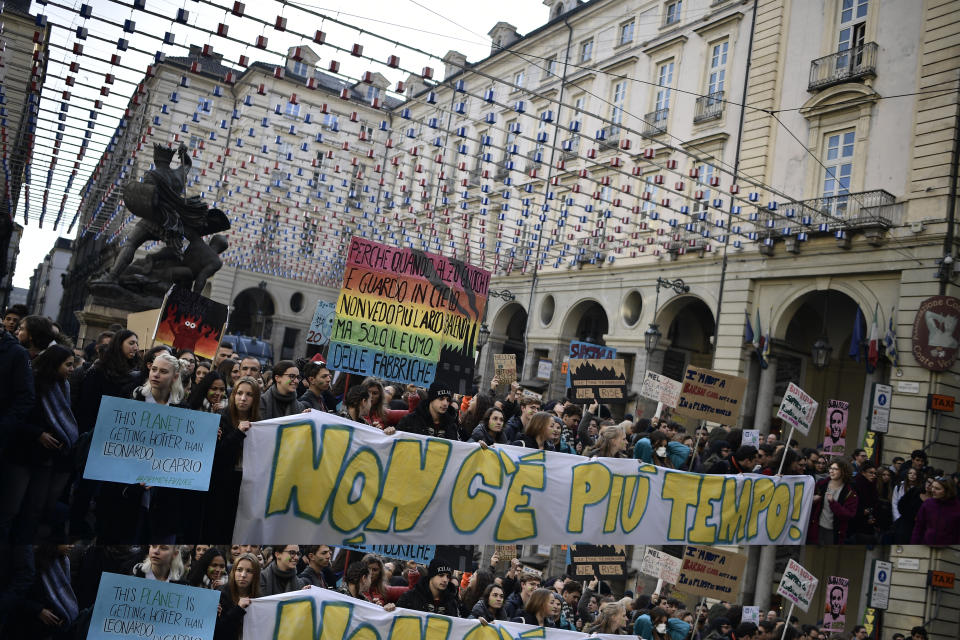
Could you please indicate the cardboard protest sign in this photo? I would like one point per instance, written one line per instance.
(144, 324)
(835, 438)
(190, 321)
(711, 573)
(507, 552)
(604, 560)
(544, 368)
(661, 565)
(129, 607)
(419, 553)
(835, 610)
(661, 388)
(153, 444)
(710, 395)
(751, 437)
(602, 380)
(526, 393)
(317, 477)
(407, 316)
(797, 585)
(797, 409)
(586, 351)
(327, 614)
(505, 368)
(322, 324)
(750, 613)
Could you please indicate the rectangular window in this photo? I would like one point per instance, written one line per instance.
(651, 187)
(372, 92)
(518, 80)
(550, 71)
(664, 83)
(718, 68)
(853, 32)
(617, 101)
(292, 110)
(300, 68)
(626, 32)
(707, 171)
(205, 105)
(586, 50)
(838, 170)
(672, 12)
(510, 140)
(579, 104)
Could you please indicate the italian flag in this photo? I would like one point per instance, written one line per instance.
(873, 354)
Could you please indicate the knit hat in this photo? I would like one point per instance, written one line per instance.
(438, 390)
(438, 566)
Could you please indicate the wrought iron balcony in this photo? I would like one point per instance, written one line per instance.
(876, 208)
(844, 66)
(709, 107)
(655, 123)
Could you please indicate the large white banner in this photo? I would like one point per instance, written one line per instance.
(317, 478)
(321, 614)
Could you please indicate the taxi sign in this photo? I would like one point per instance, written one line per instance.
(941, 579)
(939, 402)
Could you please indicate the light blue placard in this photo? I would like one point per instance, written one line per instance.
(322, 324)
(129, 607)
(420, 553)
(588, 351)
(159, 446)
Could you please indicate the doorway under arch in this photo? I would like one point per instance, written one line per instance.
(252, 313)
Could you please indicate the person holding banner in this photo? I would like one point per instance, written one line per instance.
(432, 417)
(538, 433)
(490, 605)
(490, 429)
(536, 612)
(242, 586)
(432, 595)
(834, 505)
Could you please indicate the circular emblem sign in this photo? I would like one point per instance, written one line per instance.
(936, 333)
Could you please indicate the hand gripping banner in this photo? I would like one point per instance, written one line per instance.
(315, 477)
(321, 614)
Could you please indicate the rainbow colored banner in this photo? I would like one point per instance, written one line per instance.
(407, 316)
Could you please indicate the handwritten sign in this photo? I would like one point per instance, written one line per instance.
(419, 553)
(544, 368)
(797, 585)
(661, 565)
(750, 613)
(135, 442)
(507, 552)
(711, 395)
(751, 437)
(711, 573)
(797, 409)
(322, 324)
(320, 478)
(505, 368)
(129, 607)
(190, 321)
(602, 380)
(604, 560)
(835, 609)
(661, 388)
(407, 316)
(586, 351)
(835, 436)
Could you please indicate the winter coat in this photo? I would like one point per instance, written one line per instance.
(273, 582)
(420, 598)
(420, 421)
(273, 405)
(677, 629)
(844, 508)
(677, 453)
(513, 429)
(481, 610)
(938, 522)
(480, 433)
(17, 393)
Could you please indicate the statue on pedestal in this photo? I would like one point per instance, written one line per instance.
(165, 215)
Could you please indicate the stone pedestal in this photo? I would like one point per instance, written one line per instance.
(99, 313)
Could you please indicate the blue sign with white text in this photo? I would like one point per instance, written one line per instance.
(152, 444)
(129, 607)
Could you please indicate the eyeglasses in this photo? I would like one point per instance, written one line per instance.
(292, 554)
(292, 376)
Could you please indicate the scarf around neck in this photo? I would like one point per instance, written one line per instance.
(56, 411)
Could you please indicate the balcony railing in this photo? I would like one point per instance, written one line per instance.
(709, 107)
(844, 66)
(655, 123)
(851, 210)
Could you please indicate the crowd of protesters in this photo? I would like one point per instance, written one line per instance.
(50, 407)
(57, 587)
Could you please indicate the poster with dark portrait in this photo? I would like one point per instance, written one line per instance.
(835, 608)
(835, 429)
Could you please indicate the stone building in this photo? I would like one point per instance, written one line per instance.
(46, 283)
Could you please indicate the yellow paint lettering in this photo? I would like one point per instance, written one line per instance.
(778, 511)
(734, 510)
(517, 521)
(711, 488)
(348, 514)
(636, 492)
(590, 485)
(762, 494)
(334, 620)
(412, 479)
(467, 510)
(296, 621)
(298, 476)
(613, 504)
(682, 490)
(410, 627)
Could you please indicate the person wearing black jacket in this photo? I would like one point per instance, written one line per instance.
(490, 605)
(740, 461)
(318, 572)
(433, 595)
(433, 417)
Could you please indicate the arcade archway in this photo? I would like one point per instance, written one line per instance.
(252, 313)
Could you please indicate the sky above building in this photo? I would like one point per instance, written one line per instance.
(431, 26)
